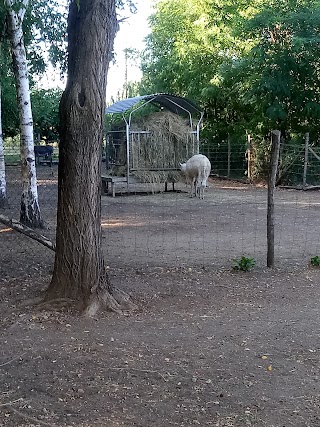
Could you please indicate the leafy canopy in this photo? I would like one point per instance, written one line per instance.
(251, 66)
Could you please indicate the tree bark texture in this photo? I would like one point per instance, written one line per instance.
(29, 211)
(79, 270)
(3, 182)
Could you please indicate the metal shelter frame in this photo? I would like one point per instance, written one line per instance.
(175, 104)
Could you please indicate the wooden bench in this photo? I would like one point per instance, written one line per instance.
(115, 180)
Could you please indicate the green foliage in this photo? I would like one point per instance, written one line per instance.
(121, 4)
(284, 63)
(185, 47)
(315, 261)
(45, 32)
(44, 27)
(243, 264)
(251, 66)
(10, 114)
(45, 110)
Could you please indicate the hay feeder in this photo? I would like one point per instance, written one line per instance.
(150, 149)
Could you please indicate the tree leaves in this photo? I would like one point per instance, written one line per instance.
(248, 65)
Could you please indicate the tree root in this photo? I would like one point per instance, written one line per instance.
(116, 301)
(112, 299)
(56, 303)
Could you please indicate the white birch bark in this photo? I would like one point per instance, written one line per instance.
(3, 183)
(29, 211)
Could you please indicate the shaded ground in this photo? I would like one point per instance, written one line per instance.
(209, 347)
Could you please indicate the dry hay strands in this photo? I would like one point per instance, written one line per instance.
(157, 177)
(165, 122)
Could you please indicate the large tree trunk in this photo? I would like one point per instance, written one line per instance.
(79, 270)
(29, 211)
(3, 184)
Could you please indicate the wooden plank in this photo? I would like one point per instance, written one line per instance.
(158, 169)
(315, 154)
(289, 165)
(115, 180)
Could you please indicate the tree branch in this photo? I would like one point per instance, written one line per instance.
(27, 417)
(17, 226)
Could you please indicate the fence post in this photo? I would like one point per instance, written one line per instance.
(275, 147)
(229, 156)
(249, 156)
(305, 166)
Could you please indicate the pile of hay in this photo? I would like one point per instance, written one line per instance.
(158, 142)
(157, 177)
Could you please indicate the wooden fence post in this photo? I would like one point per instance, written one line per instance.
(275, 148)
(305, 166)
(249, 156)
(229, 156)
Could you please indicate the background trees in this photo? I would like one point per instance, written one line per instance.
(3, 183)
(44, 30)
(182, 49)
(41, 26)
(45, 109)
(251, 66)
(284, 63)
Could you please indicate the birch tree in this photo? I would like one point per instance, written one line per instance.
(79, 269)
(3, 185)
(29, 210)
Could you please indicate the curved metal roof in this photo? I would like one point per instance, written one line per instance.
(175, 104)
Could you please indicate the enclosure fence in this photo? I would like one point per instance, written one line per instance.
(154, 227)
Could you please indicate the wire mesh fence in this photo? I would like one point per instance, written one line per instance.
(299, 165)
(228, 158)
(152, 227)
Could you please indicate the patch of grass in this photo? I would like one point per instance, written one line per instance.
(315, 261)
(12, 159)
(243, 264)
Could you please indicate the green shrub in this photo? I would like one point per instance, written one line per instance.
(315, 261)
(243, 264)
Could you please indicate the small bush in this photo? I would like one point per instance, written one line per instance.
(315, 261)
(243, 264)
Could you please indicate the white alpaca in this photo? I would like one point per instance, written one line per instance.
(197, 170)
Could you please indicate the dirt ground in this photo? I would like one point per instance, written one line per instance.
(208, 346)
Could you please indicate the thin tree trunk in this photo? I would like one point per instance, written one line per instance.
(29, 210)
(79, 270)
(3, 183)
